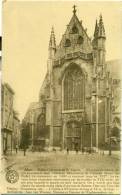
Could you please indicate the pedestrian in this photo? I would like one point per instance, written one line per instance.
(24, 150)
(67, 150)
(76, 150)
(16, 148)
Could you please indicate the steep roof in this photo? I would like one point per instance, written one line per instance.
(74, 31)
(9, 88)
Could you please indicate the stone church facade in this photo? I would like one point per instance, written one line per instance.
(76, 98)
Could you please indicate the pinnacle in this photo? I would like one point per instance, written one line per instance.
(52, 30)
(101, 32)
(52, 43)
(96, 29)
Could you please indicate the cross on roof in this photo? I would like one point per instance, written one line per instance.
(74, 9)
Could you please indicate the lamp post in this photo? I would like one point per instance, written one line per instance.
(92, 99)
(110, 127)
(109, 145)
(110, 101)
(110, 140)
(32, 128)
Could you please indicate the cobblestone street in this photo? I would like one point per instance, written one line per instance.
(37, 160)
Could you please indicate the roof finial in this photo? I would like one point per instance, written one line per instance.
(74, 9)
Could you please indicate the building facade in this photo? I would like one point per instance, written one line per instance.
(8, 118)
(16, 130)
(0, 53)
(76, 97)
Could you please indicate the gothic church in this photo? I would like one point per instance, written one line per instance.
(75, 100)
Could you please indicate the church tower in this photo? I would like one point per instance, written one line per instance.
(101, 82)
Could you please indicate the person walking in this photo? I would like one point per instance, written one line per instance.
(67, 150)
(24, 150)
(76, 150)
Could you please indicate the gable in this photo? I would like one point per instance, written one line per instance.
(75, 39)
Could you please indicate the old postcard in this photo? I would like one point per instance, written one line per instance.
(60, 97)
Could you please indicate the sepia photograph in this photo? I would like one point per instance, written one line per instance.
(61, 97)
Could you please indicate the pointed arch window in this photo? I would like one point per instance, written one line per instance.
(74, 30)
(80, 40)
(67, 43)
(73, 89)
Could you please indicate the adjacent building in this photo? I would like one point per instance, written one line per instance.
(77, 97)
(16, 130)
(0, 52)
(9, 122)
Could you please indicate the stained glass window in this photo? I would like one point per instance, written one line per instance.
(73, 89)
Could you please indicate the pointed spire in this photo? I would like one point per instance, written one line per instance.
(101, 31)
(52, 43)
(96, 30)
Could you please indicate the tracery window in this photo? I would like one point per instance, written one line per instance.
(73, 89)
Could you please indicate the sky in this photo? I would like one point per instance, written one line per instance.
(26, 31)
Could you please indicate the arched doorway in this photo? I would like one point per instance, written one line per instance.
(73, 135)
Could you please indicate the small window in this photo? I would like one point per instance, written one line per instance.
(74, 30)
(67, 43)
(80, 40)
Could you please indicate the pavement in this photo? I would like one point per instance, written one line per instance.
(36, 160)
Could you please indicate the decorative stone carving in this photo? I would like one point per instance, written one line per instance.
(72, 116)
